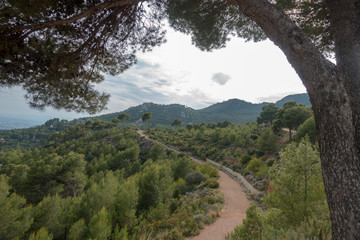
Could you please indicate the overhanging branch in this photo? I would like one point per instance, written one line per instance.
(106, 5)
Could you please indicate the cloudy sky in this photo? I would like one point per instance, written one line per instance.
(178, 72)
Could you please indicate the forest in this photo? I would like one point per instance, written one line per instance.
(284, 167)
(102, 180)
(94, 181)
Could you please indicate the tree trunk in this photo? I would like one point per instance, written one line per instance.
(335, 96)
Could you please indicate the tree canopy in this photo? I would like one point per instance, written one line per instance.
(124, 116)
(291, 116)
(146, 116)
(268, 114)
(176, 123)
(57, 50)
(102, 182)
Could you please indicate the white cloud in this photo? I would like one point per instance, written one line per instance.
(178, 72)
(220, 78)
(274, 98)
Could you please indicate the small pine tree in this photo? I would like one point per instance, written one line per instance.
(267, 141)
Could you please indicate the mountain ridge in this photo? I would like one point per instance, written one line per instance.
(234, 110)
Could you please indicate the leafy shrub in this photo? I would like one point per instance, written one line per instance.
(208, 170)
(194, 178)
(236, 167)
(308, 128)
(267, 141)
(179, 188)
(254, 165)
(158, 151)
(181, 167)
(245, 159)
(210, 183)
(270, 162)
(258, 167)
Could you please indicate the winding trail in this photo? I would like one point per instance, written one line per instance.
(233, 211)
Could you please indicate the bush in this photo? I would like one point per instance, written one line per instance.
(308, 128)
(210, 183)
(267, 141)
(258, 167)
(194, 178)
(270, 162)
(245, 159)
(181, 167)
(179, 188)
(208, 170)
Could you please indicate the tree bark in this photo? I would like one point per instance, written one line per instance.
(334, 94)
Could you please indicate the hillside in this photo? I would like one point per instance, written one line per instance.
(101, 182)
(234, 110)
(302, 98)
(161, 114)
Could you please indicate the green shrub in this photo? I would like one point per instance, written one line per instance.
(245, 159)
(258, 167)
(308, 128)
(270, 162)
(194, 178)
(210, 183)
(179, 188)
(267, 141)
(208, 170)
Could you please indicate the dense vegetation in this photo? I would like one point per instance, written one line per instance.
(97, 181)
(233, 110)
(295, 205)
(249, 149)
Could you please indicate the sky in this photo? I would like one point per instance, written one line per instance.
(178, 72)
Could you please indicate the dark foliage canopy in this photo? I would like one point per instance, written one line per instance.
(57, 50)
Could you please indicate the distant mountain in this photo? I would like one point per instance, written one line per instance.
(302, 98)
(234, 110)
(161, 114)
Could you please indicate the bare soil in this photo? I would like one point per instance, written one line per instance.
(232, 213)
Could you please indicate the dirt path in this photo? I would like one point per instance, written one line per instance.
(231, 215)
(233, 211)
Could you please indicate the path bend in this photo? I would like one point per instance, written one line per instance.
(233, 212)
